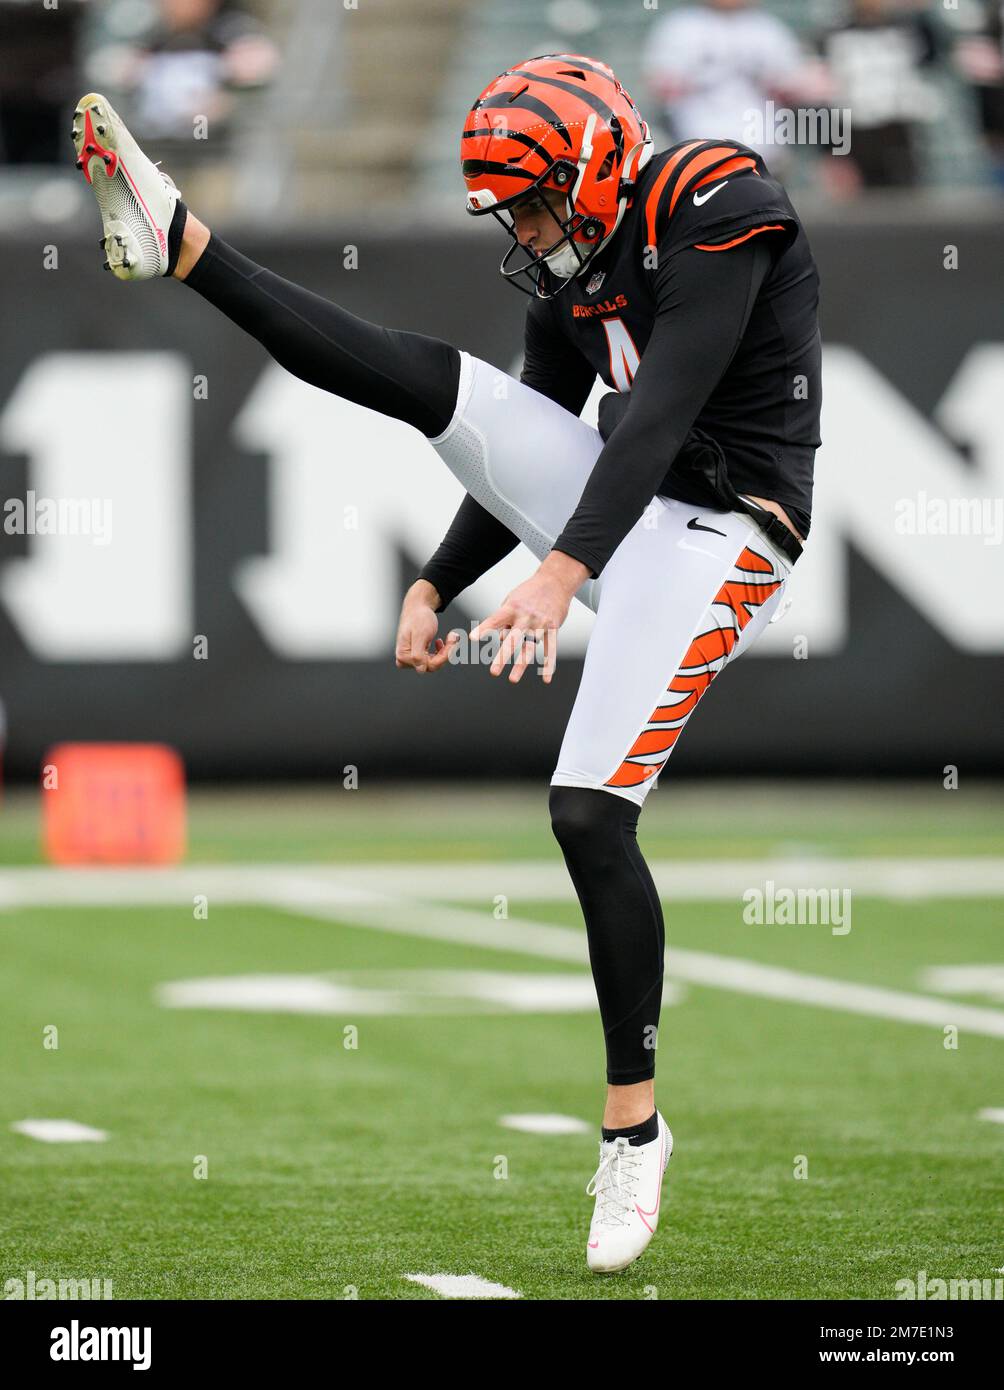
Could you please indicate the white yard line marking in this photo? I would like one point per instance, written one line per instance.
(775, 982)
(545, 1124)
(437, 922)
(695, 967)
(715, 880)
(462, 1286)
(994, 1115)
(704, 880)
(444, 923)
(362, 896)
(60, 1131)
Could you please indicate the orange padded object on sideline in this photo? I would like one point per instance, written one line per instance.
(113, 803)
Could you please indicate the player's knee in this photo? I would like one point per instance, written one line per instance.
(573, 814)
(588, 822)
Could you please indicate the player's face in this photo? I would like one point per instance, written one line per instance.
(536, 229)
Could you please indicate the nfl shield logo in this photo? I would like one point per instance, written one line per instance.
(595, 282)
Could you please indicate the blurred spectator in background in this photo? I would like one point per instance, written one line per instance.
(877, 60)
(38, 79)
(192, 61)
(201, 53)
(979, 60)
(714, 67)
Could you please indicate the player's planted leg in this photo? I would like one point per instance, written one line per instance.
(597, 832)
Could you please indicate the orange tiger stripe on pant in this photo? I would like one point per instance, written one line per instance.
(707, 653)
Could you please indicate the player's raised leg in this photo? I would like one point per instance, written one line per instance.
(149, 232)
(524, 458)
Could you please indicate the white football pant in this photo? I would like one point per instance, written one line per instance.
(674, 604)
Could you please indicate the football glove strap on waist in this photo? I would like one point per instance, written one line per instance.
(773, 528)
(699, 475)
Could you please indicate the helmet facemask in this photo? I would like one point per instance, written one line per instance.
(545, 274)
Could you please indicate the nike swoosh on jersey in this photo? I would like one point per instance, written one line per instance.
(695, 525)
(700, 198)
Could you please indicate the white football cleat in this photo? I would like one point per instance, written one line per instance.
(628, 1190)
(136, 200)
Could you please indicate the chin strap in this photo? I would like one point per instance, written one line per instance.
(566, 263)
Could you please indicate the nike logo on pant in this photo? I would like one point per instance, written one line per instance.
(695, 525)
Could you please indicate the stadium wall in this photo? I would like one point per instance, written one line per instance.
(243, 540)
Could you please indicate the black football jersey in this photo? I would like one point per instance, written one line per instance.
(705, 199)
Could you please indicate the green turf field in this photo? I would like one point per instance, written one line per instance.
(335, 1171)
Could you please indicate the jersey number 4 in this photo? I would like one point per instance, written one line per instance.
(624, 357)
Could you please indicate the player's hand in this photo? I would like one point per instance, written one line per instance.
(534, 610)
(418, 626)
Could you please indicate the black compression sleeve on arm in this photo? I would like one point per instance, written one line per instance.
(404, 375)
(475, 541)
(704, 301)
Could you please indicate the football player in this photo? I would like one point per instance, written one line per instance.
(685, 281)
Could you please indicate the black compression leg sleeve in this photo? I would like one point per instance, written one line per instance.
(597, 834)
(404, 375)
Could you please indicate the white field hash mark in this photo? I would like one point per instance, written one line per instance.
(60, 1131)
(462, 1286)
(545, 1124)
(385, 992)
(392, 992)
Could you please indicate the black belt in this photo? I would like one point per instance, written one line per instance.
(773, 528)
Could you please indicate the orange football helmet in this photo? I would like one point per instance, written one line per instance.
(561, 122)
